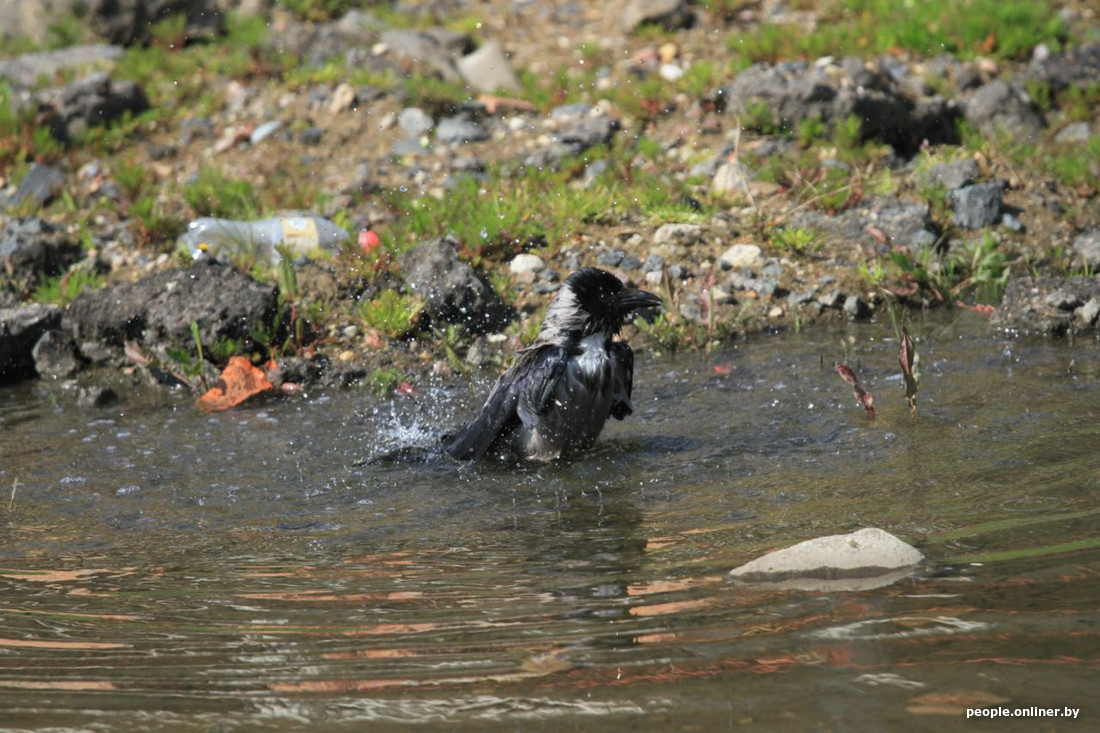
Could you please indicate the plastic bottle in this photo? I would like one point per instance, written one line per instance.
(224, 238)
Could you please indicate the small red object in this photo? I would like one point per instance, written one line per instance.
(368, 240)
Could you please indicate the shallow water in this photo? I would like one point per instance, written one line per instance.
(162, 568)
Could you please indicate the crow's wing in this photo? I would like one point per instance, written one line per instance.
(521, 394)
(622, 374)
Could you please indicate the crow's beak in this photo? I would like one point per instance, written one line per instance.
(630, 300)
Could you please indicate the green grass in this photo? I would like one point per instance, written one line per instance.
(215, 194)
(63, 288)
(391, 314)
(1001, 29)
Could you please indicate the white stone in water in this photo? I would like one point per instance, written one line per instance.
(869, 553)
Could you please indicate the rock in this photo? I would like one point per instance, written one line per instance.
(740, 255)
(21, 327)
(977, 205)
(41, 184)
(875, 224)
(460, 130)
(956, 174)
(1046, 305)
(684, 234)
(1011, 222)
(487, 69)
(130, 22)
(159, 310)
(27, 69)
(55, 355)
(792, 92)
(414, 122)
(525, 265)
(453, 291)
(264, 131)
(435, 50)
(343, 98)
(1087, 314)
(868, 553)
(831, 299)
(1001, 106)
(96, 397)
(1075, 133)
(576, 134)
(1078, 67)
(1086, 246)
(32, 249)
(96, 100)
(672, 15)
(731, 177)
(856, 308)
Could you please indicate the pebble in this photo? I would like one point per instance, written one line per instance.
(740, 255)
(264, 131)
(686, 234)
(525, 265)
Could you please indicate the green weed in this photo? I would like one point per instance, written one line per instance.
(391, 314)
(215, 194)
(63, 288)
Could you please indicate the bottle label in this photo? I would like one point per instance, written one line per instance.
(300, 233)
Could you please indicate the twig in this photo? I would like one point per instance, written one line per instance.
(14, 485)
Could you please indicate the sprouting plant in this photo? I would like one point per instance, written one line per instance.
(191, 366)
(794, 239)
(390, 313)
(63, 288)
(384, 381)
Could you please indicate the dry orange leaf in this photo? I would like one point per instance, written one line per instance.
(239, 381)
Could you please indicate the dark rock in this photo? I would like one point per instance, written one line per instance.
(1047, 304)
(21, 327)
(459, 130)
(1087, 249)
(610, 258)
(831, 299)
(159, 309)
(96, 397)
(999, 106)
(1076, 67)
(453, 291)
(32, 249)
(55, 355)
(311, 136)
(792, 92)
(672, 15)
(976, 206)
(856, 308)
(41, 184)
(956, 174)
(97, 100)
(129, 22)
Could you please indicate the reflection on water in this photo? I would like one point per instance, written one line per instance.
(162, 568)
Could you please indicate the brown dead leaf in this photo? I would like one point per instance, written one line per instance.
(239, 381)
(863, 397)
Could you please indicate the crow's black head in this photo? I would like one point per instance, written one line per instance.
(593, 301)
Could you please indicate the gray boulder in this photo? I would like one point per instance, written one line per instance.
(21, 327)
(956, 174)
(42, 184)
(1048, 305)
(999, 106)
(453, 292)
(1077, 67)
(875, 224)
(488, 70)
(55, 355)
(792, 92)
(976, 206)
(1087, 249)
(159, 309)
(25, 70)
(32, 249)
(869, 553)
(94, 101)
